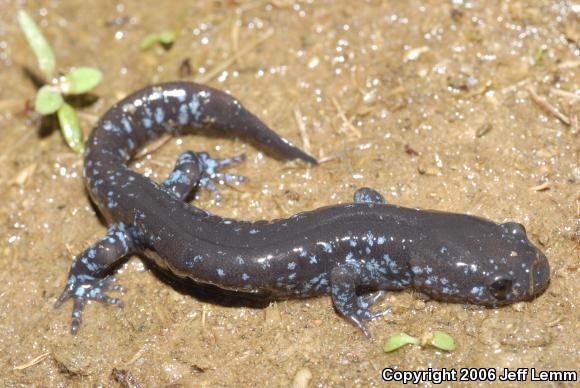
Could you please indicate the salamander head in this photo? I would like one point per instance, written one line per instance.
(477, 261)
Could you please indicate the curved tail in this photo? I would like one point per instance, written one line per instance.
(166, 108)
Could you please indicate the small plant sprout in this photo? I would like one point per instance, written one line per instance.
(164, 38)
(50, 97)
(437, 339)
(398, 340)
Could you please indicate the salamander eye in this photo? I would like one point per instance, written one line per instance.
(500, 287)
(514, 228)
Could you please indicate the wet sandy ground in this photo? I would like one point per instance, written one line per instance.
(428, 102)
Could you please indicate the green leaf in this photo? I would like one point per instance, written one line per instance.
(38, 43)
(48, 100)
(70, 128)
(398, 340)
(80, 80)
(443, 341)
(166, 38)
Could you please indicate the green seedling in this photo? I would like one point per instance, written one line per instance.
(399, 340)
(50, 97)
(437, 339)
(164, 38)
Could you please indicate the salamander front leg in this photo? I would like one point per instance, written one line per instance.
(355, 309)
(199, 169)
(368, 195)
(372, 298)
(88, 279)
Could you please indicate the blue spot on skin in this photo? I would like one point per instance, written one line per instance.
(127, 125)
(194, 107)
(178, 176)
(370, 239)
(477, 291)
(392, 264)
(184, 157)
(349, 257)
(183, 115)
(326, 247)
(159, 115)
(79, 292)
(109, 126)
(264, 262)
(121, 238)
(373, 267)
(92, 252)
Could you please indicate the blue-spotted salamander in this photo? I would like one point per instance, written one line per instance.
(353, 252)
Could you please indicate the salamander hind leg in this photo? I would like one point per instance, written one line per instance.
(368, 195)
(199, 169)
(355, 309)
(88, 279)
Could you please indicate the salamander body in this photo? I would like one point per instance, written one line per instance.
(353, 252)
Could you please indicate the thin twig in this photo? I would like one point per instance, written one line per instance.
(302, 129)
(565, 93)
(342, 153)
(514, 87)
(236, 40)
(225, 64)
(547, 106)
(569, 64)
(574, 122)
(343, 117)
(34, 361)
(540, 187)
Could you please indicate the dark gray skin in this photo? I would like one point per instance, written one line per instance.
(354, 252)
